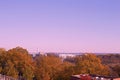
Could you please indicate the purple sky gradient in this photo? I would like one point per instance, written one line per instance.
(61, 25)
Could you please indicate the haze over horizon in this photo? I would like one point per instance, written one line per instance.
(61, 25)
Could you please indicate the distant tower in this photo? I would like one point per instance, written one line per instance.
(38, 51)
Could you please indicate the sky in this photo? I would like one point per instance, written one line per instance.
(60, 25)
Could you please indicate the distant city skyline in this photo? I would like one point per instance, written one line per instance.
(61, 25)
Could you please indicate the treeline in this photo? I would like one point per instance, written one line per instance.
(113, 61)
(110, 59)
(17, 62)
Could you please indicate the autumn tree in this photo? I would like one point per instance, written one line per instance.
(22, 61)
(2, 50)
(90, 64)
(67, 70)
(16, 62)
(47, 67)
(116, 69)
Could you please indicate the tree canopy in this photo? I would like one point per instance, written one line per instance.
(90, 64)
(17, 62)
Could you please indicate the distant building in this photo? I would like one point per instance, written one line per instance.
(81, 77)
(64, 55)
(92, 77)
